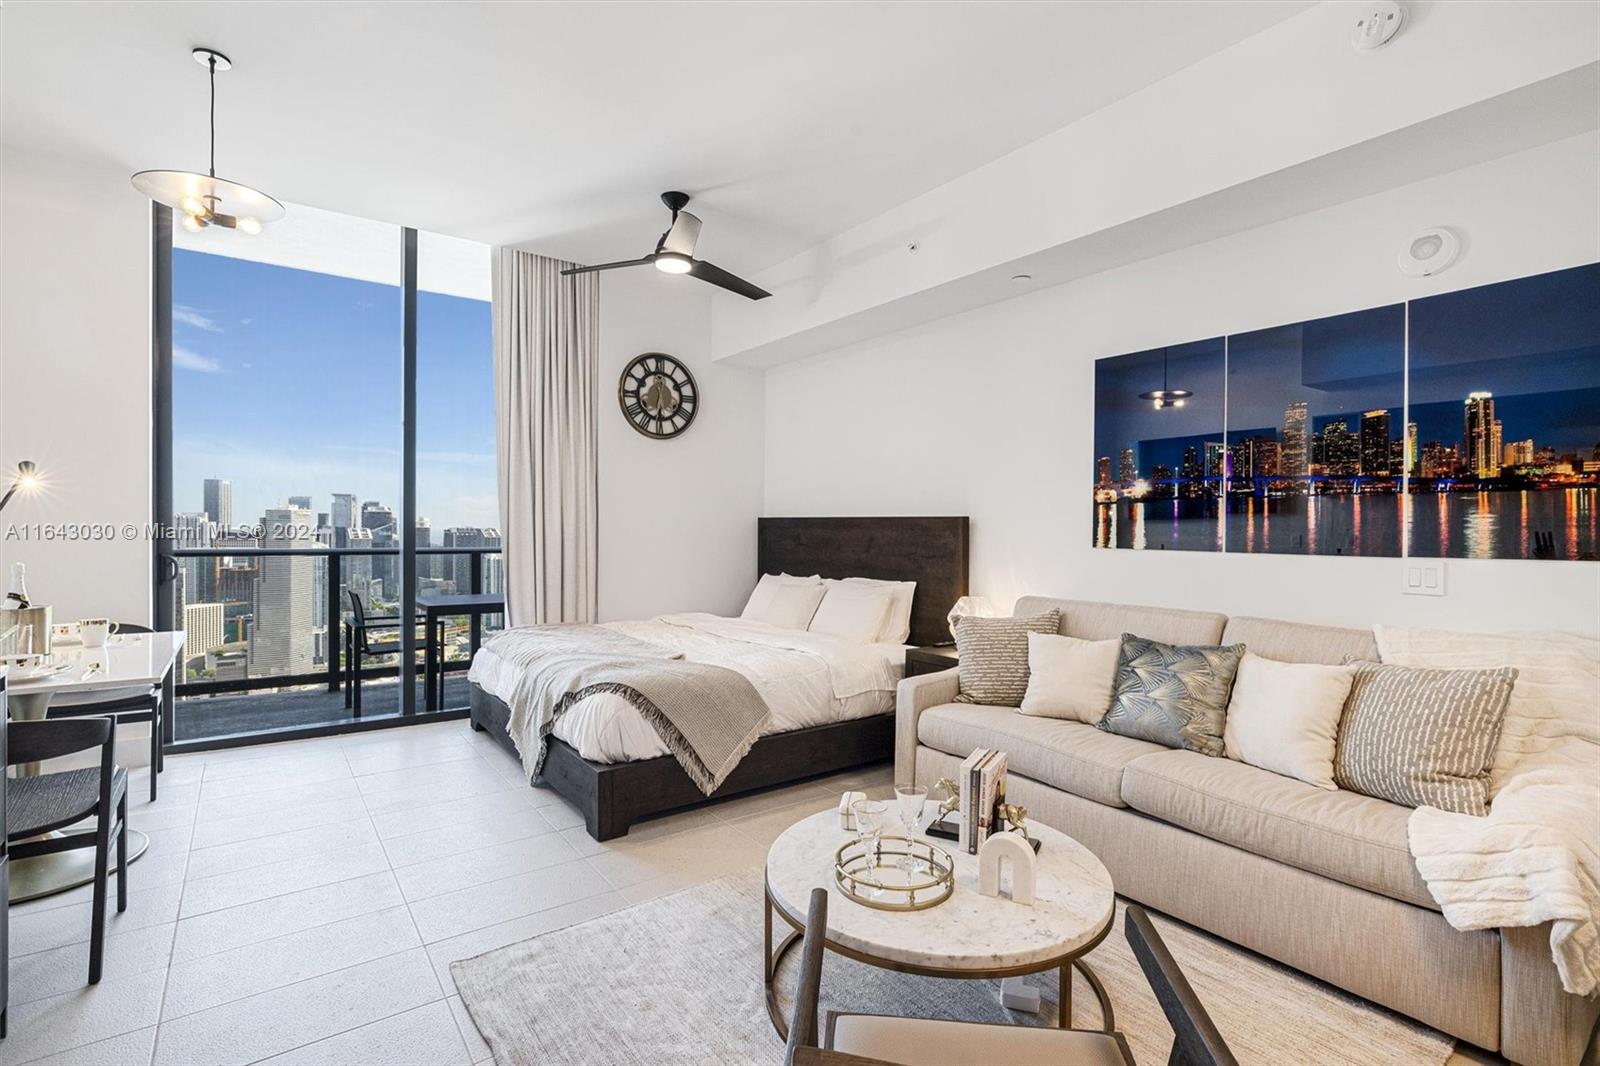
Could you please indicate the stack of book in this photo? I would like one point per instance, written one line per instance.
(983, 789)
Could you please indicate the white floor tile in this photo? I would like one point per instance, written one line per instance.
(223, 930)
(424, 1035)
(491, 808)
(293, 844)
(261, 967)
(701, 853)
(290, 1017)
(50, 973)
(283, 798)
(454, 913)
(41, 930)
(476, 1046)
(517, 823)
(129, 1049)
(271, 821)
(83, 1016)
(274, 879)
(438, 876)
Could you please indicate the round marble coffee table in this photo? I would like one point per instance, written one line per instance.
(968, 935)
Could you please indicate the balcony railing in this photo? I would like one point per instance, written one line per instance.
(269, 587)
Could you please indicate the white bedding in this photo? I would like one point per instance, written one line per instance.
(806, 679)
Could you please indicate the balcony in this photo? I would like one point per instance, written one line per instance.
(261, 658)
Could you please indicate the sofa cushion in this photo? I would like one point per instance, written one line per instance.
(1351, 838)
(1089, 620)
(1071, 756)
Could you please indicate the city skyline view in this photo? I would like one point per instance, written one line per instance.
(1319, 446)
(287, 382)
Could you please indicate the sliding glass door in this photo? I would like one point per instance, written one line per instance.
(286, 464)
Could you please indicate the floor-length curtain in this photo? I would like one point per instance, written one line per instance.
(546, 340)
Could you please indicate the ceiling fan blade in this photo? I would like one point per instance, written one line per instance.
(717, 276)
(682, 236)
(608, 266)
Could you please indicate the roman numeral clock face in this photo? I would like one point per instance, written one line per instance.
(658, 395)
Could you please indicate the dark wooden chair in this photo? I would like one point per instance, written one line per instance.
(39, 805)
(359, 631)
(124, 705)
(880, 1040)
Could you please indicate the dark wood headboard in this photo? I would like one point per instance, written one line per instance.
(930, 551)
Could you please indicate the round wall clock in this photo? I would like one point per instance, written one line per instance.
(658, 395)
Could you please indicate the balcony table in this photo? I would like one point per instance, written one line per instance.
(438, 606)
(133, 660)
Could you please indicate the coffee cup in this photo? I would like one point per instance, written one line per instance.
(94, 632)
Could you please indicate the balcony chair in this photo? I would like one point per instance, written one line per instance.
(880, 1040)
(125, 705)
(39, 805)
(358, 644)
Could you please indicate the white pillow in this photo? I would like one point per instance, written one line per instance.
(791, 606)
(1284, 717)
(1069, 677)
(897, 626)
(761, 597)
(856, 613)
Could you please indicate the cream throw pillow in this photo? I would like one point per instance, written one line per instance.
(1069, 677)
(792, 606)
(1284, 717)
(856, 613)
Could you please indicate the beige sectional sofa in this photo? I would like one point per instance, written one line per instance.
(1322, 881)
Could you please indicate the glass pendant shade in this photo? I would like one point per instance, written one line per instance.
(209, 200)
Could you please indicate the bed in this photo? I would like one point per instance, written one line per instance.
(617, 788)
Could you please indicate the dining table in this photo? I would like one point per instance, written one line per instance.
(436, 607)
(126, 661)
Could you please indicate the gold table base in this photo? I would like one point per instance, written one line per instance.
(46, 875)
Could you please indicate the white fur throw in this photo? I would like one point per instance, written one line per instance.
(1536, 857)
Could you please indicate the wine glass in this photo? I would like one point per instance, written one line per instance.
(912, 798)
(869, 816)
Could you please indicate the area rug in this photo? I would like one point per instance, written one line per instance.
(677, 979)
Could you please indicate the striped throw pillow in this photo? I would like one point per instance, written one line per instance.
(994, 656)
(1422, 737)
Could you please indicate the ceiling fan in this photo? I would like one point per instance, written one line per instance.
(674, 253)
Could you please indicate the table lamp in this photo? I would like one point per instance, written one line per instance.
(27, 480)
(969, 607)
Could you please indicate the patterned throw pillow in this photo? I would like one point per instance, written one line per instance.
(1173, 694)
(994, 656)
(1423, 737)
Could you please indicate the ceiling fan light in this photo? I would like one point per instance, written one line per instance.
(193, 223)
(673, 263)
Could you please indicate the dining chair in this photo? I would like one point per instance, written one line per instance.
(883, 1040)
(133, 704)
(358, 644)
(36, 806)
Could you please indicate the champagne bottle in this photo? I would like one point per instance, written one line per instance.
(17, 598)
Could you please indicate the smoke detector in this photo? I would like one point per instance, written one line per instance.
(1429, 252)
(1379, 22)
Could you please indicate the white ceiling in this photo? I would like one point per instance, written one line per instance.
(556, 125)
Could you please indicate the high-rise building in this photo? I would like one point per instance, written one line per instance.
(1341, 449)
(1376, 451)
(344, 514)
(1517, 453)
(1439, 459)
(193, 529)
(1411, 448)
(1216, 455)
(1296, 457)
(1127, 470)
(218, 499)
(202, 628)
(1103, 468)
(280, 637)
(1480, 449)
(380, 522)
(461, 565)
(428, 566)
(302, 502)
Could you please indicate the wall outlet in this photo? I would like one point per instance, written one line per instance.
(1423, 578)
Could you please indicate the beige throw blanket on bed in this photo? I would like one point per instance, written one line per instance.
(707, 716)
(1535, 857)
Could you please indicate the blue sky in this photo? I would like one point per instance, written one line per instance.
(287, 382)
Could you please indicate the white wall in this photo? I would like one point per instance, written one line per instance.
(990, 413)
(677, 517)
(75, 378)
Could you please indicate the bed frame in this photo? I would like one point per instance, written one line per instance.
(930, 551)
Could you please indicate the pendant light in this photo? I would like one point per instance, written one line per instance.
(203, 200)
(1165, 397)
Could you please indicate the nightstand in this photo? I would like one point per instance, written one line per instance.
(929, 660)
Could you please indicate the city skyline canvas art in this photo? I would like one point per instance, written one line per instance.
(1298, 439)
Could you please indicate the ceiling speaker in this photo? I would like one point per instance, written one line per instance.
(1429, 252)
